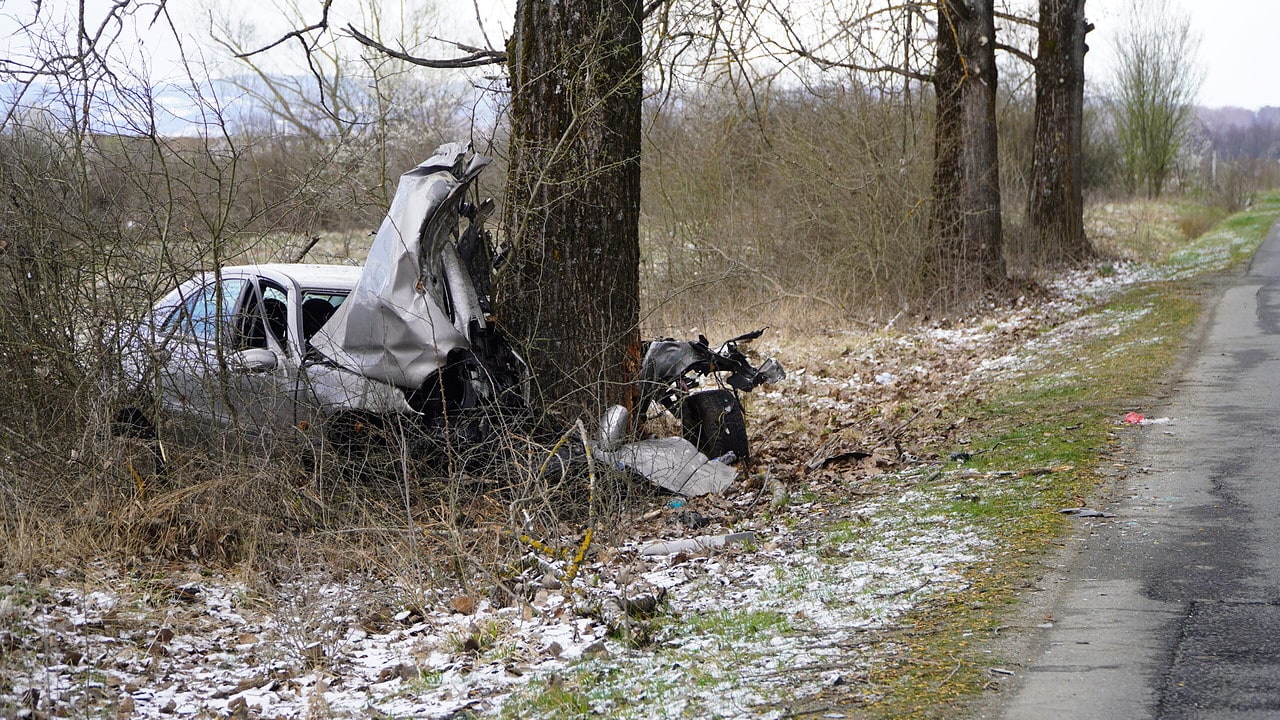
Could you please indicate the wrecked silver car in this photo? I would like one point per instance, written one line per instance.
(333, 356)
(335, 352)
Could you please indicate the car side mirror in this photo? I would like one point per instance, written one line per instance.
(253, 360)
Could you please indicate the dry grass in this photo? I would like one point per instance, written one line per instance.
(1145, 230)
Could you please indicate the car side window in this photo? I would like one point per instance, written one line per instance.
(275, 303)
(317, 307)
(207, 313)
(254, 323)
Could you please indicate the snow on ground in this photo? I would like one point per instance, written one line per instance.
(744, 629)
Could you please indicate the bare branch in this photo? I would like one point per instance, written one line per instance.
(477, 57)
(322, 24)
(1019, 53)
(1019, 19)
(651, 8)
(826, 63)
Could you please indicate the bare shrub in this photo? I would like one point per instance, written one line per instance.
(804, 196)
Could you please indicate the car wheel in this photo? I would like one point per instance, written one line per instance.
(714, 422)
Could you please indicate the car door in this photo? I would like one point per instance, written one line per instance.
(192, 364)
(263, 368)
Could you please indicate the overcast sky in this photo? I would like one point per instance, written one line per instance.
(1237, 37)
(1237, 47)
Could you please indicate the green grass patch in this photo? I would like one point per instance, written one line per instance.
(739, 625)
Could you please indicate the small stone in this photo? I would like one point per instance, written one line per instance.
(555, 649)
(595, 650)
(463, 604)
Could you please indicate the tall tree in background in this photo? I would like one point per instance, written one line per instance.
(571, 293)
(1155, 83)
(968, 255)
(1055, 203)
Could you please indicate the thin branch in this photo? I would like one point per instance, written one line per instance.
(1019, 19)
(1019, 53)
(651, 8)
(826, 64)
(323, 24)
(475, 5)
(478, 57)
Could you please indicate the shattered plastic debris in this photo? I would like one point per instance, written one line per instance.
(1135, 418)
(673, 464)
(702, 542)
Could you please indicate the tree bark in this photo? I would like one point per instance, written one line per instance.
(968, 256)
(570, 293)
(1055, 208)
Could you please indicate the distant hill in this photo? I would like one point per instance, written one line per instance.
(234, 105)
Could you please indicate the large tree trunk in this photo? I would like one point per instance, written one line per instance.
(1055, 208)
(570, 294)
(967, 258)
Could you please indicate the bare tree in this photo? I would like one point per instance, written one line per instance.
(572, 293)
(1153, 89)
(1055, 200)
(968, 256)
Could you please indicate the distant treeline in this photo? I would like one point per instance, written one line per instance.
(1238, 133)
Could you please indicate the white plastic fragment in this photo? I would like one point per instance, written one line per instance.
(701, 542)
(673, 464)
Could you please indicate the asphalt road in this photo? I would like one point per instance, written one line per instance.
(1172, 608)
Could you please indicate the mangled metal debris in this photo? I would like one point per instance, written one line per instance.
(673, 464)
(712, 418)
(713, 424)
